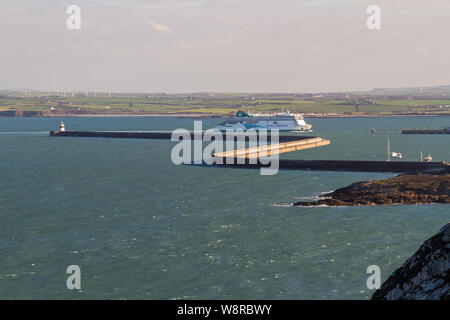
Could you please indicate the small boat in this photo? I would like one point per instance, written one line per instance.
(428, 158)
(397, 155)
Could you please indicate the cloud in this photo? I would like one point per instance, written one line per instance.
(158, 26)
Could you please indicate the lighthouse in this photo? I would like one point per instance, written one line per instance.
(62, 127)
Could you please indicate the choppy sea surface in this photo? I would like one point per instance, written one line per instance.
(140, 227)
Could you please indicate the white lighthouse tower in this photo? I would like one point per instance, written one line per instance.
(62, 126)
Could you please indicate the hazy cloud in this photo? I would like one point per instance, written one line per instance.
(158, 26)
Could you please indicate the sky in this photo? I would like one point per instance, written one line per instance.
(223, 45)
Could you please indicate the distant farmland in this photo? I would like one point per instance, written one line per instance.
(219, 104)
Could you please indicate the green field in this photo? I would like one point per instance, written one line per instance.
(221, 104)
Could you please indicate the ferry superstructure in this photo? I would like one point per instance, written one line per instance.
(283, 121)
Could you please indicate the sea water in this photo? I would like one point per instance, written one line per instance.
(140, 227)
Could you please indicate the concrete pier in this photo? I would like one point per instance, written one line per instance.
(348, 165)
(286, 144)
(166, 135)
(426, 131)
(268, 150)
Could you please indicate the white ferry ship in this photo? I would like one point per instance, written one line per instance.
(283, 121)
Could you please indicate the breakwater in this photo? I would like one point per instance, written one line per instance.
(288, 164)
(271, 149)
(426, 131)
(166, 135)
(344, 165)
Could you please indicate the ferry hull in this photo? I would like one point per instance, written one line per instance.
(303, 128)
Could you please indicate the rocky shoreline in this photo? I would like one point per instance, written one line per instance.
(425, 275)
(402, 189)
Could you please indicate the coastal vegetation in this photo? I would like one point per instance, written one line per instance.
(376, 103)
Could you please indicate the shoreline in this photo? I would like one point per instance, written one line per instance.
(404, 189)
(38, 114)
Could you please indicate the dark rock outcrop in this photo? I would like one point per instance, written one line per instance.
(424, 276)
(402, 189)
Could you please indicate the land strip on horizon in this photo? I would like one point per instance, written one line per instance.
(433, 101)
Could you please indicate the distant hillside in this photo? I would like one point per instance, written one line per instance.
(444, 89)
